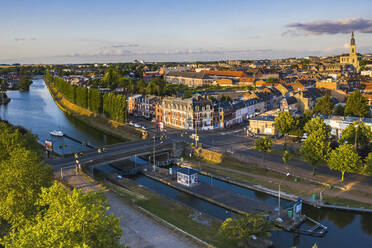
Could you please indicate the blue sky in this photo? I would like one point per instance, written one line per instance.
(118, 31)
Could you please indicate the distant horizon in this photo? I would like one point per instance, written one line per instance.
(114, 31)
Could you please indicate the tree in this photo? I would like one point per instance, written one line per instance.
(344, 159)
(360, 130)
(315, 148)
(240, 229)
(367, 169)
(324, 105)
(22, 174)
(315, 124)
(24, 83)
(286, 156)
(271, 80)
(339, 110)
(68, 220)
(264, 145)
(285, 123)
(357, 105)
(187, 93)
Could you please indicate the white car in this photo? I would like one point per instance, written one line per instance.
(137, 125)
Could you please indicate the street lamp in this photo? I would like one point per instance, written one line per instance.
(280, 183)
(356, 136)
(154, 166)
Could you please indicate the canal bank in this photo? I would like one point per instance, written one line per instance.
(93, 120)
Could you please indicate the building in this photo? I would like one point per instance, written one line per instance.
(146, 106)
(331, 85)
(352, 58)
(187, 176)
(339, 123)
(190, 79)
(306, 99)
(263, 125)
(150, 75)
(288, 104)
(133, 103)
(223, 114)
(186, 113)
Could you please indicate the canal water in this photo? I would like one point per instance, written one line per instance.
(345, 229)
(37, 111)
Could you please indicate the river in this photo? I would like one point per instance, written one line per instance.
(36, 110)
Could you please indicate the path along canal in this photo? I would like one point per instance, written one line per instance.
(36, 110)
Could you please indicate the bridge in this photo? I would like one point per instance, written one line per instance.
(119, 152)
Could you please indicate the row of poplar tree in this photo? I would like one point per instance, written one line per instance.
(112, 106)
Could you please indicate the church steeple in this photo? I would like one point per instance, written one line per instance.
(352, 41)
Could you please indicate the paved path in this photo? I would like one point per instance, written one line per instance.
(139, 231)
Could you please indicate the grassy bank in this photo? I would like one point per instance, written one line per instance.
(181, 216)
(259, 176)
(116, 129)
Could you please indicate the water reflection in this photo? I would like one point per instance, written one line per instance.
(36, 110)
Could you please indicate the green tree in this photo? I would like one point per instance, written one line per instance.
(241, 229)
(22, 174)
(264, 145)
(356, 133)
(271, 80)
(95, 100)
(68, 220)
(344, 159)
(367, 169)
(187, 93)
(315, 148)
(24, 83)
(324, 105)
(285, 123)
(286, 156)
(357, 105)
(339, 110)
(315, 124)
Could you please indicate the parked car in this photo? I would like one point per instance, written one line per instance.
(144, 127)
(137, 125)
(131, 123)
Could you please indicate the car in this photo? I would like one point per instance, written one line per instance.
(144, 127)
(131, 123)
(137, 125)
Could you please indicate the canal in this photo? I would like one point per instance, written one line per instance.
(36, 110)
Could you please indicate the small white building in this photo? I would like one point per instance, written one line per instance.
(187, 176)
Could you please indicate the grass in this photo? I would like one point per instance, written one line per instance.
(255, 181)
(345, 202)
(285, 188)
(233, 163)
(170, 211)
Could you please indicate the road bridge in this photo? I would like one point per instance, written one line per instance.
(119, 152)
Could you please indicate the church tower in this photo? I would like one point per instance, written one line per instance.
(353, 57)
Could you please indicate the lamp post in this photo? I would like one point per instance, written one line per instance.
(154, 154)
(280, 183)
(356, 136)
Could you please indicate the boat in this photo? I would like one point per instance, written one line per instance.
(56, 133)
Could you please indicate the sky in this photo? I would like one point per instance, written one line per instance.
(90, 31)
